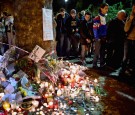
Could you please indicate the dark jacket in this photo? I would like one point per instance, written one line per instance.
(84, 32)
(61, 28)
(115, 31)
(72, 25)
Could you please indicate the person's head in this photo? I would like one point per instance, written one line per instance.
(133, 9)
(83, 12)
(73, 13)
(104, 8)
(87, 16)
(121, 15)
(62, 11)
(5, 14)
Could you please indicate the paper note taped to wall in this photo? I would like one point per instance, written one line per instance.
(37, 53)
(47, 24)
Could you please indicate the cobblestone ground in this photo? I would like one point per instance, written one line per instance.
(120, 98)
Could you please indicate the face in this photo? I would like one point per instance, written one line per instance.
(87, 17)
(104, 10)
(121, 16)
(62, 13)
(73, 15)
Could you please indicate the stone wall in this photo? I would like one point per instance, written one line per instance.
(28, 23)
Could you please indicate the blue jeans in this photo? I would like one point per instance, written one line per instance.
(63, 45)
(99, 52)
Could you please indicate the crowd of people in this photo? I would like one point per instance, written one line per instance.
(81, 35)
(7, 32)
(112, 44)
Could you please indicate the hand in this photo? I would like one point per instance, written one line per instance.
(76, 30)
(131, 17)
(88, 40)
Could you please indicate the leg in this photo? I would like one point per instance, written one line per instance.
(97, 52)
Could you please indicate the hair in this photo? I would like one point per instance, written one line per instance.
(121, 11)
(102, 6)
(5, 13)
(87, 13)
(73, 11)
(62, 10)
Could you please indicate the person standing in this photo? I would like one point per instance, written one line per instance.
(128, 64)
(61, 35)
(115, 40)
(100, 30)
(72, 27)
(85, 36)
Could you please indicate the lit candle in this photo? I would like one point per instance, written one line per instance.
(95, 80)
(96, 99)
(50, 104)
(35, 103)
(19, 109)
(46, 95)
(83, 87)
(46, 84)
(59, 92)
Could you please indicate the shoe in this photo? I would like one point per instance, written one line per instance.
(95, 67)
(84, 63)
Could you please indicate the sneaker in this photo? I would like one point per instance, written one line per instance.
(84, 63)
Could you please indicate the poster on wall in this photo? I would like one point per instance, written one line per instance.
(47, 24)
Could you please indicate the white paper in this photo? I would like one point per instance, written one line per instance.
(21, 74)
(47, 24)
(37, 53)
(10, 97)
(12, 81)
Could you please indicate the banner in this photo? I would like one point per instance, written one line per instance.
(47, 24)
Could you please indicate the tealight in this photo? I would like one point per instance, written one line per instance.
(95, 80)
(35, 103)
(59, 92)
(46, 84)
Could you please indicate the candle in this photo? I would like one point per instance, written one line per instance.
(46, 95)
(35, 103)
(59, 92)
(83, 87)
(13, 104)
(50, 104)
(96, 99)
(19, 109)
(95, 80)
(46, 84)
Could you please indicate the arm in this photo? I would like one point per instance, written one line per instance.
(96, 24)
(82, 29)
(127, 25)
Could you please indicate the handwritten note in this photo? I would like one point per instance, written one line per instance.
(37, 53)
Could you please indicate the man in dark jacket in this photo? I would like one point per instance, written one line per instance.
(72, 27)
(85, 36)
(116, 36)
(61, 35)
